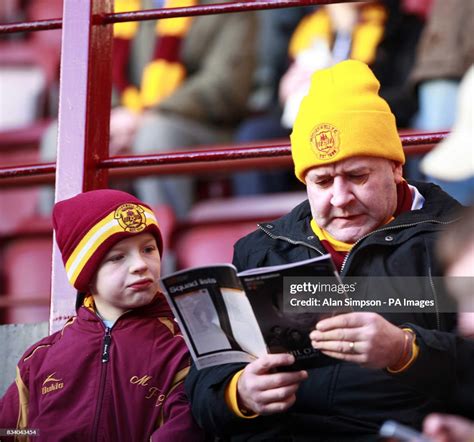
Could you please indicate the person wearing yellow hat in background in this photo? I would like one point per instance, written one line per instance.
(347, 151)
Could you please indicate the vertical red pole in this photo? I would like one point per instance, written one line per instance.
(84, 114)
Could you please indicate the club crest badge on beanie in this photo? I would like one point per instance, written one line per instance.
(343, 116)
(131, 217)
(88, 225)
(325, 141)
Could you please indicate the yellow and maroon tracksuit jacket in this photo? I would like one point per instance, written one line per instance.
(88, 382)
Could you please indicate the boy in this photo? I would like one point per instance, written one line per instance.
(115, 371)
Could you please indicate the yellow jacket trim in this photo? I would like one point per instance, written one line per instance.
(35, 350)
(324, 235)
(179, 377)
(415, 350)
(231, 398)
(24, 398)
(168, 323)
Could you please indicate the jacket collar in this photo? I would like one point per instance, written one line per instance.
(157, 308)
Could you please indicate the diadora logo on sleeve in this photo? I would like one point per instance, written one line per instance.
(151, 391)
(52, 383)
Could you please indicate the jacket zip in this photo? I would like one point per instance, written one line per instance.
(433, 289)
(103, 374)
(391, 228)
(291, 241)
(438, 321)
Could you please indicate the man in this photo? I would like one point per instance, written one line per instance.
(346, 150)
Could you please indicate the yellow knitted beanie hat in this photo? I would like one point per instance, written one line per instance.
(343, 116)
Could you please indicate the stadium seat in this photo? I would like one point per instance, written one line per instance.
(27, 279)
(167, 222)
(28, 69)
(16, 204)
(215, 225)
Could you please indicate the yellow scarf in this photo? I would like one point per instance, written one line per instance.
(366, 35)
(164, 74)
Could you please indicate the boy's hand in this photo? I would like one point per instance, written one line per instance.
(264, 391)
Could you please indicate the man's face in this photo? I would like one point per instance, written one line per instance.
(354, 196)
(128, 276)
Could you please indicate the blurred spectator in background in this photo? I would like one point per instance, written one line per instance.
(29, 64)
(444, 54)
(275, 29)
(456, 250)
(451, 162)
(192, 92)
(369, 32)
(10, 11)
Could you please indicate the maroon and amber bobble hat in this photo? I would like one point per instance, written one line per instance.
(88, 225)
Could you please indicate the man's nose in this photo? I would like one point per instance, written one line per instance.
(341, 192)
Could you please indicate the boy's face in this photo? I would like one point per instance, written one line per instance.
(128, 276)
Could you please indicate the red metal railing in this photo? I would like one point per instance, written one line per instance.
(155, 14)
(83, 134)
(203, 160)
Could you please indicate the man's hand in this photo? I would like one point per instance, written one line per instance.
(446, 428)
(364, 338)
(264, 391)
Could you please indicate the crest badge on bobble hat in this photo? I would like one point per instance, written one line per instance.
(88, 225)
(343, 116)
(131, 217)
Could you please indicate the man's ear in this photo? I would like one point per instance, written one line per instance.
(397, 169)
